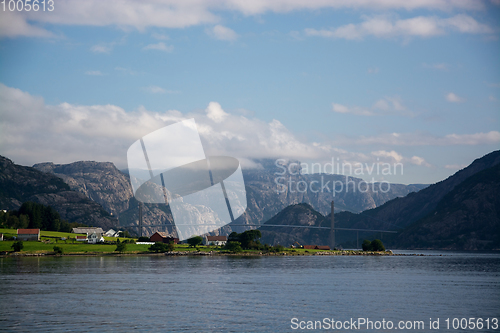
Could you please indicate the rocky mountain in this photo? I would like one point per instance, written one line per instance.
(19, 184)
(266, 193)
(105, 184)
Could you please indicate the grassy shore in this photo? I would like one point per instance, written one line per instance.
(49, 239)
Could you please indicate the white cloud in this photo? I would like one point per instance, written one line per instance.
(422, 139)
(384, 106)
(222, 33)
(94, 73)
(154, 90)
(102, 48)
(373, 70)
(214, 111)
(451, 97)
(421, 26)
(492, 98)
(392, 154)
(33, 131)
(160, 36)
(160, 46)
(141, 14)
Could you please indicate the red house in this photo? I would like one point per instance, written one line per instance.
(28, 234)
(162, 237)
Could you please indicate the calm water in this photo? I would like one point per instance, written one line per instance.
(242, 294)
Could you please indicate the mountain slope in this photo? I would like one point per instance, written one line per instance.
(301, 215)
(467, 218)
(19, 184)
(402, 212)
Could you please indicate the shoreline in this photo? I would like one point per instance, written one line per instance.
(215, 254)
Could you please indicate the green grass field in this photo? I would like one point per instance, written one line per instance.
(53, 238)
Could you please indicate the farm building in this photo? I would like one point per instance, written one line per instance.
(28, 234)
(215, 240)
(163, 237)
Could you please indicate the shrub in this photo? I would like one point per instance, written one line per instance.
(367, 245)
(233, 246)
(17, 246)
(195, 241)
(158, 247)
(375, 245)
(143, 239)
(121, 246)
(58, 250)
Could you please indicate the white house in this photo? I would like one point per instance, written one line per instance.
(215, 240)
(94, 238)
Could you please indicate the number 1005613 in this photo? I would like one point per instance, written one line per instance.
(27, 5)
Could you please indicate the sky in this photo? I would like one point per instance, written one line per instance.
(380, 82)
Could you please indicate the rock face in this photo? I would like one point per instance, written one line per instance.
(106, 185)
(101, 182)
(19, 184)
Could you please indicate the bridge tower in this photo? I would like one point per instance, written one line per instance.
(332, 230)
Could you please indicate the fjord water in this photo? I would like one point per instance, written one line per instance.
(242, 294)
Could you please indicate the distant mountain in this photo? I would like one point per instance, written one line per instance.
(302, 215)
(460, 213)
(108, 186)
(19, 184)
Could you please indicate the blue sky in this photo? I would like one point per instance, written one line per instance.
(413, 82)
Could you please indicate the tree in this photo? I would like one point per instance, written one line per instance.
(143, 239)
(367, 245)
(17, 246)
(58, 250)
(195, 241)
(121, 246)
(170, 246)
(233, 246)
(377, 245)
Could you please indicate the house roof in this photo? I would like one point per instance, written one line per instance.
(317, 247)
(216, 238)
(87, 230)
(28, 231)
(81, 237)
(163, 234)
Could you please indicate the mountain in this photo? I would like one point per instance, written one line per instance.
(108, 186)
(302, 215)
(401, 213)
(459, 213)
(467, 218)
(105, 184)
(19, 184)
